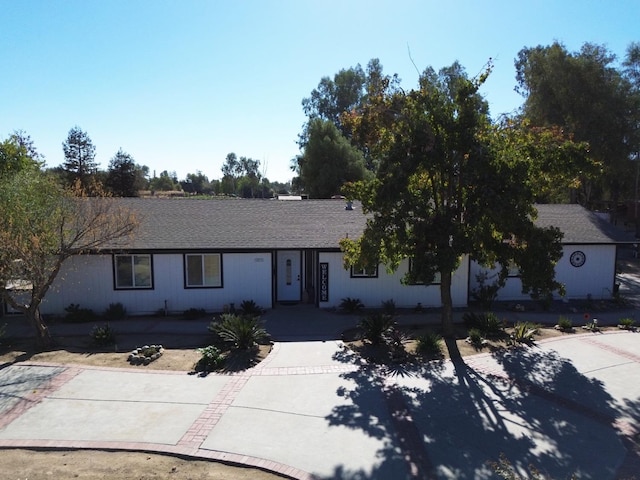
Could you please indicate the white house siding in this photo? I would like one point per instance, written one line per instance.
(373, 291)
(595, 277)
(88, 281)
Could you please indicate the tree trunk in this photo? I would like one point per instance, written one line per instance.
(447, 304)
(43, 337)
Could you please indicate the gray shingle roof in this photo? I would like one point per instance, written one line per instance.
(580, 225)
(238, 224)
(243, 224)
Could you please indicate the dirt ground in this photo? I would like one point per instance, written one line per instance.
(23, 464)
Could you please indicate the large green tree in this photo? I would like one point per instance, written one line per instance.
(445, 189)
(241, 175)
(41, 227)
(166, 182)
(17, 153)
(329, 161)
(584, 94)
(124, 177)
(346, 92)
(79, 158)
(196, 183)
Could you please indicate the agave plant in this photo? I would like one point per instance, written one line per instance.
(524, 332)
(351, 305)
(250, 307)
(242, 331)
(429, 343)
(376, 327)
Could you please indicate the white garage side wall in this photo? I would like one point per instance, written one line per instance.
(85, 280)
(373, 291)
(88, 281)
(595, 277)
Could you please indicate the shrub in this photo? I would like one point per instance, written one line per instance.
(351, 305)
(375, 327)
(115, 311)
(493, 326)
(389, 307)
(194, 313)
(592, 326)
(486, 293)
(249, 307)
(488, 323)
(75, 314)
(103, 335)
(623, 323)
(475, 338)
(565, 324)
(3, 330)
(429, 344)
(396, 339)
(524, 332)
(211, 359)
(242, 331)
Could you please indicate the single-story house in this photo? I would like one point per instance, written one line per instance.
(208, 254)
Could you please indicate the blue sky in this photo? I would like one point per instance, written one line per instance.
(179, 84)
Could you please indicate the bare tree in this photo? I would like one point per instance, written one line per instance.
(42, 227)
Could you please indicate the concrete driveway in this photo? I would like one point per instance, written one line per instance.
(313, 410)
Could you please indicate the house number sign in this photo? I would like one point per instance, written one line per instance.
(324, 282)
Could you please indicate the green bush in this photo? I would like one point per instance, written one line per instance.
(194, 313)
(249, 307)
(375, 327)
(396, 339)
(351, 305)
(565, 323)
(242, 331)
(488, 323)
(115, 311)
(475, 338)
(75, 314)
(211, 359)
(103, 335)
(624, 323)
(524, 332)
(389, 307)
(429, 344)
(592, 326)
(486, 293)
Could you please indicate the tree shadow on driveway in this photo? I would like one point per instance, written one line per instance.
(449, 419)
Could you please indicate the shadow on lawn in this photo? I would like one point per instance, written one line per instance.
(449, 419)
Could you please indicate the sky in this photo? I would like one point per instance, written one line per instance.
(179, 84)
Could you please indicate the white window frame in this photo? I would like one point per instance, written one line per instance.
(362, 273)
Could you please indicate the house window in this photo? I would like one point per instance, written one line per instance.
(436, 278)
(364, 272)
(133, 271)
(203, 270)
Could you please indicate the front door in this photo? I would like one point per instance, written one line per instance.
(288, 283)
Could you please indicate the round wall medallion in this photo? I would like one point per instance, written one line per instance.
(577, 258)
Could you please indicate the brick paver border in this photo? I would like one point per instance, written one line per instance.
(416, 455)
